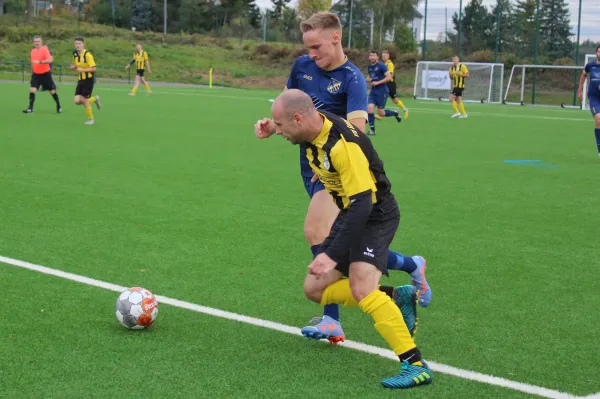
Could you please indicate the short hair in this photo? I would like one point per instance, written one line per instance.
(37, 37)
(373, 52)
(455, 56)
(597, 48)
(385, 51)
(79, 39)
(321, 20)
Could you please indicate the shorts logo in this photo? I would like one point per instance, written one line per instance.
(334, 86)
(326, 163)
(369, 253)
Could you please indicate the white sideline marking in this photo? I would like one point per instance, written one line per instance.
(592, 396)
(437, 367)
(424, 110)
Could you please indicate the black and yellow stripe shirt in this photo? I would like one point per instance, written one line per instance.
(459, 81)
(140, 60)
(84, 60)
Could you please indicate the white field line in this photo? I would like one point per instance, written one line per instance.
(592, 396)
(437, 367)
(424, 110)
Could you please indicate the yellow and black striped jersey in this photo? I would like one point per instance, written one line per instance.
(140, 59)
(459, 81)
(346, 162)
(84, 60)
(390, 66)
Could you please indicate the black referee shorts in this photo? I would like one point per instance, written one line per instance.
(43, 80)
(84, 88)
(375, 240)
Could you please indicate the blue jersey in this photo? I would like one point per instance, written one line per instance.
(592, 70)
(341, 91)
(377, 72)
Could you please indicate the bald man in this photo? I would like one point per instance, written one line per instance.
(357, 246)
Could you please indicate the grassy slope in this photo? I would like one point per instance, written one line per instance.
(178, 58)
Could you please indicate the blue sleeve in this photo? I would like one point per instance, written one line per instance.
(356, 97)
(588, 68)
(292, 83)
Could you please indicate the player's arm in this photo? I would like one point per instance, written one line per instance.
(353, 168)
(464, 72)
(387, 78)
(356, 102)
(582, 78)
(130, 64)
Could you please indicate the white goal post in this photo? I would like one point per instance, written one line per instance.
(584, 102)
(543, 86)
(484, 84)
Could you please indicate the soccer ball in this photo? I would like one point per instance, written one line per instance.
(137, 308)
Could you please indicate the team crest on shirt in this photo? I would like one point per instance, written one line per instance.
(334, 86)
(326, 163)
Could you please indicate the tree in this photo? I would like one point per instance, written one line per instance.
(555, 30)
(306, 8)
(289, 24)
(141, 14)
(504, 24)
(476, 27)
(525, 27)
(404, 39)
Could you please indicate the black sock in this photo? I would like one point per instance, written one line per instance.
(412, 356)
(31, 100)
(389, 291)
(55, 97)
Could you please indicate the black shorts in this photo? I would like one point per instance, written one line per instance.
(140, 73)
(458, 91)
(85, 88)
(44, 80)
(392, 89)
(375, 240)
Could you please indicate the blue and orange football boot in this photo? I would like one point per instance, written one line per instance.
(324, 327)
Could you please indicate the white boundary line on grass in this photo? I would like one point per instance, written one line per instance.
(437, 367)
(426, 110)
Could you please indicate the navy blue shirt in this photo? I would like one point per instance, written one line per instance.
(592, 69)
(341, 91)
(377, 72)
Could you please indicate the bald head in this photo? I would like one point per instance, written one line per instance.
(296, 117)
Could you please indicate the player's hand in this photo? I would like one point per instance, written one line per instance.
(149, 72)
(73, 67)
(36, 62)
(80, 70)
(321, 264)
(314, 178)
(127, 67)
(374, 83)
(264, 128)
(580, 94)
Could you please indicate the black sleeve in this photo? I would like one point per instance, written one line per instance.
(353, 225)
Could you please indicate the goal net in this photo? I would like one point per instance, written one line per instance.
(484, 84)
(543, 85)
(584, 104)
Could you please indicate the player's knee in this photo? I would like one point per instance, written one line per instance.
(597, 120)
(381, 111)
(315, 232)
(32, 89)
(312, 292)
(371, 108)
(360, 290)
(76, 100)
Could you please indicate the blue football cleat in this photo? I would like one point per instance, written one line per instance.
(410, 376)
(325, 328)
(406, 299)
(420, 282)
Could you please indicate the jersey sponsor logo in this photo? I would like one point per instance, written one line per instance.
(334, 86)
(307, 77)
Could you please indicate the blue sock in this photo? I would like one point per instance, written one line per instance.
(389, 112)
(372, 121)
(397, 261)
(332, 310)
(597, 131)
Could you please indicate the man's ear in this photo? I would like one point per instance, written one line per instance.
(336, 37)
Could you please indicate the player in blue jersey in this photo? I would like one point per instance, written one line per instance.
(379, 75)
(335, 85)
(592, 72)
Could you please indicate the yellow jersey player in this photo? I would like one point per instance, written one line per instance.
(385, 56)
(140, 58)
(458, 73)
(357, 247)
(85, 65)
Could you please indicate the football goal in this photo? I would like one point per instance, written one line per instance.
(485, 83)
(543, 85)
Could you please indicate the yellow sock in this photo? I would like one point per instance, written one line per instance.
(455, 107)
(462, 108)
(134, 90)
(147, 86)
(340, 293)
(88, 112)
(388, 321)
(92, 100)
(399, 103)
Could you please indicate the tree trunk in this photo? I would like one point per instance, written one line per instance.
(381, 30)
(29, 12)
(372, 26)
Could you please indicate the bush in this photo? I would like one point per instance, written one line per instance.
(564, 61)
(262, 48)
(481, 56)
(408, 59)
